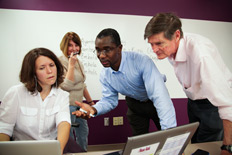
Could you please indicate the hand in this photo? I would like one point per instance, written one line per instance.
(227, 140)
(72, 59)
(86, 107)
(224, 152)
(91, 103)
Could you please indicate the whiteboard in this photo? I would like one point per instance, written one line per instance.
(23, 30)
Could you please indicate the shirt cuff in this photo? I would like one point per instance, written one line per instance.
(226, 113)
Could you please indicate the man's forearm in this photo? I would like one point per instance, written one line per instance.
(4, 137)
(227, 125)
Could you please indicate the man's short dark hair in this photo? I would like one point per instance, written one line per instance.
(163, 22)
(115, 38)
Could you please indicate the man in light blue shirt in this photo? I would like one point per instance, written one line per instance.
(135, 76)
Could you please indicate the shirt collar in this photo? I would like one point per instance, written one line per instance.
(54, 91)
(122, 64)
(180, 54)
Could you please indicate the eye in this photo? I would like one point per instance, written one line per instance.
(107, 50)
(98, 50)
(158, 44)
(52, 64)
(41, 68)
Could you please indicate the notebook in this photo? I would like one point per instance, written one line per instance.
(165, 142)
(30, 147)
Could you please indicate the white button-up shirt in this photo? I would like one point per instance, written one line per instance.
(203, 74)
(27, 117)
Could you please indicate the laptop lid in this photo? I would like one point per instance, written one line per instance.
(35, 147)
(165, 142)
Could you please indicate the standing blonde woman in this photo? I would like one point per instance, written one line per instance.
(74, 83)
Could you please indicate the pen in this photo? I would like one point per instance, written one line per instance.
(74, 54)
(86, 112)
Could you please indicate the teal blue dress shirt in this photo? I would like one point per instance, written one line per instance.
(138, 78)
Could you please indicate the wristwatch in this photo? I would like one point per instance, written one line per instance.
(227, 148)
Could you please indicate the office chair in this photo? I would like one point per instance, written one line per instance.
(72, 146)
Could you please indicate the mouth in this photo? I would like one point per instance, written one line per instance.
(51, 77)
(158, 53)
(104, 63)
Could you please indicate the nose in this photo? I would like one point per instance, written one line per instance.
(49, 70)
(101, 55)
(155, 48)
(74, 48)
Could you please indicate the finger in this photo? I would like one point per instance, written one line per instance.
(80, 114)
(76, 113)
(78, 103)
(76, 53)
(89, 116)
(92, 103)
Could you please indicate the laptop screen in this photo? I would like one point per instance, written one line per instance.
(165, 142)
(34, 147)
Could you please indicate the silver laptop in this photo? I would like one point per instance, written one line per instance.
(165, 142)
(30, 147)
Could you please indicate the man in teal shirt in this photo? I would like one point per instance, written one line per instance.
(135, 76)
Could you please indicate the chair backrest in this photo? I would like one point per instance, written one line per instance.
(72, 146)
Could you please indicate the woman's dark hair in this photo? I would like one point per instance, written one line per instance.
(28, 71)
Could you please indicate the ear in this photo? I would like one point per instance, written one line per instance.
(120, 48)
(177, 35)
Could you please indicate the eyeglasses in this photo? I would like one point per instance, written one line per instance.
(104, 51)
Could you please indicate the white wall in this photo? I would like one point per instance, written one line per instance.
(21, 31)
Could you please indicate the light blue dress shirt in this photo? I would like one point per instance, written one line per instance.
(137, 78)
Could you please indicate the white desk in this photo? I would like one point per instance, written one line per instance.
(212, 147)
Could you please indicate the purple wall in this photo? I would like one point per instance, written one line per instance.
(217, 10)
(100, 134)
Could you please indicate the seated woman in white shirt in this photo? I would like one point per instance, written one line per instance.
(37, 109)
